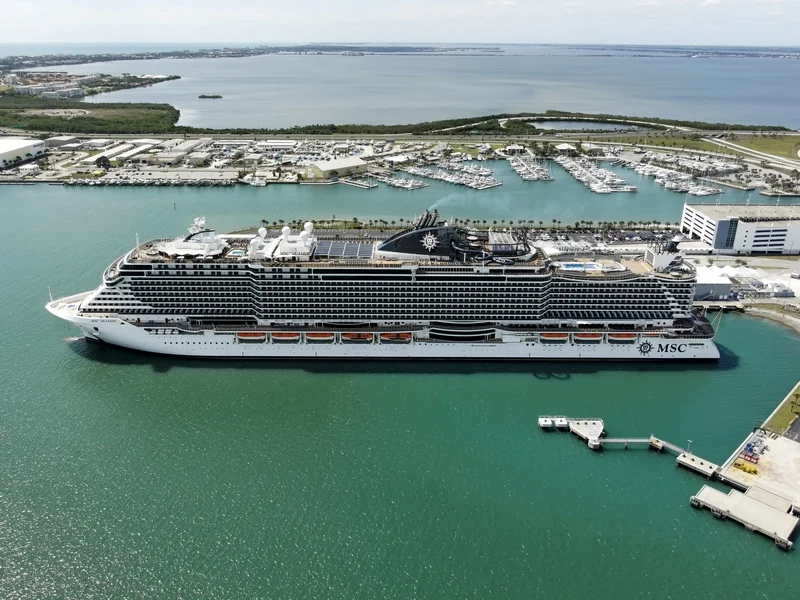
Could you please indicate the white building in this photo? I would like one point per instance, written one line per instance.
(14, 150)
(116, 151)
(60, 140)
(276, 145)
(337, 167)
(712, 284)
(198, 158)
(29, 170)
(744, 229)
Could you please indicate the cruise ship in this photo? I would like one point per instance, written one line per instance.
(433, 291)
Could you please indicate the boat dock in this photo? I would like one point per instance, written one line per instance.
(592, 431)
(364, 184)
(757, 509)
(763, 471)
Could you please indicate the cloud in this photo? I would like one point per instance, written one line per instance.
(710, 2)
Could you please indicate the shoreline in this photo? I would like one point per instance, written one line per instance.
(788, 322)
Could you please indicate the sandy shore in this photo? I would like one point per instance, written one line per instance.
(787, 320)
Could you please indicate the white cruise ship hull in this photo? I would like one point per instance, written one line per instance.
(172, 340)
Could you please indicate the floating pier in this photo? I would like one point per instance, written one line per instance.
(359, 183)
(757, 509)
(592, 431)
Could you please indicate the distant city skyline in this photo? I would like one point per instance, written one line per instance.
(206, 22)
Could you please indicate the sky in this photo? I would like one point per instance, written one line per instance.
(210, 22)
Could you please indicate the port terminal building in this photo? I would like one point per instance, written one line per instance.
(744, 229)
(14, 150)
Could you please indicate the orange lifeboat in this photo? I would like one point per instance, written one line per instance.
(357, 338)
(553, 338)
(588, 338)
(621, 338)
(319, 337)
(398, 338)
(251, 337)
(652, 334)
(284, 337)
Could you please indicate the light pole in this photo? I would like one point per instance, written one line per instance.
(688, 446)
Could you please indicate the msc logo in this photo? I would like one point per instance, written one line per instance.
(672, 347)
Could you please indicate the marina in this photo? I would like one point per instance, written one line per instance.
(593, 177)
(530, 169)
(676, 181)
(467, 178)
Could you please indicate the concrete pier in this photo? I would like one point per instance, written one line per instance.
(697, 464)
(757, 509)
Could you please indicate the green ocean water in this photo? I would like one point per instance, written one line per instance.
(126, 475)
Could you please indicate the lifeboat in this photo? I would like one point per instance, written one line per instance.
(553, 338)
(652, 334)
(621, 338)
(285, 337)
(588, 338)
(251, 337)
(395, 338)
(319, 337)
(357, 338)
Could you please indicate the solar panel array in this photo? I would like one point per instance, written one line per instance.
(334, 249)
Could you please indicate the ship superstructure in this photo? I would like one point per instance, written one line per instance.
(435, 290)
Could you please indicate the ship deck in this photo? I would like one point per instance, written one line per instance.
(333, 253)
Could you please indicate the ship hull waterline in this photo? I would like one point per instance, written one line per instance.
(517, 346)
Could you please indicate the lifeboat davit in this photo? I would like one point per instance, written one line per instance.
(588, 338)
(319, 337)
(396, 338)
(621, 338)
(285, 337)
(553, 338)
(357, 338)
(252, 337)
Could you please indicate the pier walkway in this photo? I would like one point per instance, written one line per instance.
(592, 431)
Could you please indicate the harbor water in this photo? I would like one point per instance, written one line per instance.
(287, 90)
(129, 475)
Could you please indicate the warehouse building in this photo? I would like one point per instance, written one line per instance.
(14, 150)
(744, 229)
(60, 140)
(337, 167)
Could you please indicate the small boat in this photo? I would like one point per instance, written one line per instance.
(545, 422)
(553, 338)
(319, 337)
(283, 337)
(588, 338)
(357, 338)
(396, 338)
(621, 338)
(251, 337)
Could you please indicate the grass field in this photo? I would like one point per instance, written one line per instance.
(786, 413)
(785, 146)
